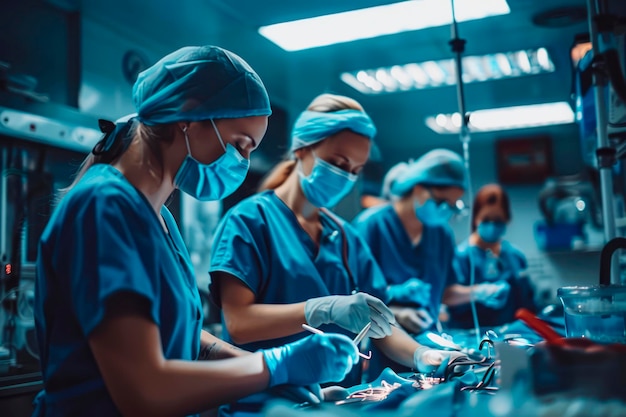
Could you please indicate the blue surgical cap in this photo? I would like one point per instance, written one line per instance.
(198, 83)
(439, 168)
(390, 178)
(313, 126)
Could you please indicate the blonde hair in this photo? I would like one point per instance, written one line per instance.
(325, 103)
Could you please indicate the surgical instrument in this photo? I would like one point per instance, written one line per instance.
(356, 340)
(362, 334)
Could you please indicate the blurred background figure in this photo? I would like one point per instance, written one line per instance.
(496, 266)
(390, 178)
(410, 237)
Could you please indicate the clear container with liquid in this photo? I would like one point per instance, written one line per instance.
(595, 312)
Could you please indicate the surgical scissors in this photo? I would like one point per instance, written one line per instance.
(356, 340)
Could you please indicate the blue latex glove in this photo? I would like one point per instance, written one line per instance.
(426, 359)
(413, 290)
(315, 359)
(352, 312)
(492, 295)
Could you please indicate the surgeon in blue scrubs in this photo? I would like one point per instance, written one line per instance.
(282, 259)
(117, 312)
(412, 242)
(494, 261)
(410, 238)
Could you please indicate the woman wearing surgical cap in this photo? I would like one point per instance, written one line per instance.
(410, 238)
(495, 262)
(414, 245)
(282, 259)
(118, 314)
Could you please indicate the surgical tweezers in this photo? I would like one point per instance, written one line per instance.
(362, 334)
(356, 340)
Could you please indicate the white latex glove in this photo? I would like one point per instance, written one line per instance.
(413, 320)
(352, 312)
(427, 360)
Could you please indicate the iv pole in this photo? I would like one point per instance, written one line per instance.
(605, 153)
(458, 47)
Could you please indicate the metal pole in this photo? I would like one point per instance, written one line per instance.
(458, 47)
(605, 164)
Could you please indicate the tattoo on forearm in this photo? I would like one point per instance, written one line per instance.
(215, 350)
(208, 352)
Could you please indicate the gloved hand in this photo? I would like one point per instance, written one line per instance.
(427, 360)
(315, 359)
(352, 312)
(413, 320)
(493, 295)
(413, 290)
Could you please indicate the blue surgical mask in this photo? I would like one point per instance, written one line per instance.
(491, 232)
(432, 214)
(326, 185)
(212, 181)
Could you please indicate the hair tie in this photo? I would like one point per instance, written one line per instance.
(115, 141)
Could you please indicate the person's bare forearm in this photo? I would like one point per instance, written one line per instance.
(263, 321)
(181, 387)
(212, 348)
(398, 347)
(457, 294)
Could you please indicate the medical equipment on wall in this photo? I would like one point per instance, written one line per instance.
(41, 146)
(568, 204)
(607, 78)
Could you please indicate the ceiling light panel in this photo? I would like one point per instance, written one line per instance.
(377, 21)
(429, 74)
(505, 118)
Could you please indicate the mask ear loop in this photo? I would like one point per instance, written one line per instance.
(299, 164)
(184, 129)
(219, 137)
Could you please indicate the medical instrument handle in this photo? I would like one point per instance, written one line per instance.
(364, 331)
(539, 326)
(362, 334)
(312, 329)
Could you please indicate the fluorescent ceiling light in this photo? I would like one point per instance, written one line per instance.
(505, 118)
(417, 76)
(377, 21)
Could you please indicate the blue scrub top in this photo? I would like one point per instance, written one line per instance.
(260, 242)
(510, 266)
(104, 237)
(432, 260)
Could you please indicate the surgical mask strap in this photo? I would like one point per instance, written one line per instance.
(184, 129)
(219, 137)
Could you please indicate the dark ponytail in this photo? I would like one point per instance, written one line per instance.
(117, 139)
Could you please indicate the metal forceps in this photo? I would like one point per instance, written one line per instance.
(356, 340)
